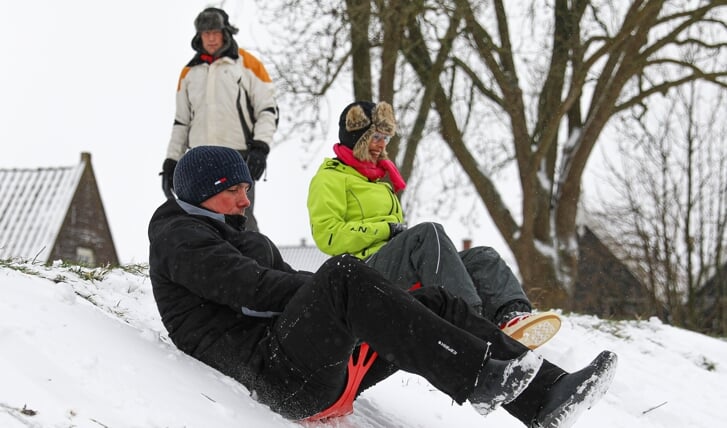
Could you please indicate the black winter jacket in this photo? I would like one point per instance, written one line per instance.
(217, 287)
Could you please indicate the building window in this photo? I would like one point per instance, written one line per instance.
(85, 256)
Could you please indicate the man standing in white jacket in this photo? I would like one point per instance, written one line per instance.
(225, 97)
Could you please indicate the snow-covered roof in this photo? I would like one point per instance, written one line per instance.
(304, 257)
(33, 205)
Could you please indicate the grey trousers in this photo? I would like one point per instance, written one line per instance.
(424, 253)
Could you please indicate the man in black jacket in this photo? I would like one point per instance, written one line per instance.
(228, 299)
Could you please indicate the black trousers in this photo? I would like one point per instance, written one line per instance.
(428, 332)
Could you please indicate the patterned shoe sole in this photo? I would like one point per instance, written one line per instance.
(535, 330)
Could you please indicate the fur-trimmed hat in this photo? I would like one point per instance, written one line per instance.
(209, 19)
(213, 18)
(359, 121)
(205, 171)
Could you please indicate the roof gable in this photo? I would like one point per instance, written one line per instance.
(303, 257)
(33, 205)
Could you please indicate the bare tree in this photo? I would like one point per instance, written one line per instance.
(670, 217)
(508, 84)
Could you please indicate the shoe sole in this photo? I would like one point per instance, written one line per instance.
(586, 395)
(535, 330)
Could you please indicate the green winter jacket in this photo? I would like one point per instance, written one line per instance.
(348, 213)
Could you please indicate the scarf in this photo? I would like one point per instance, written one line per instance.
(209, 59)
(229, 49)
(372, 171)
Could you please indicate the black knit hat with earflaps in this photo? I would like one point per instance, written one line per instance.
(209, 19)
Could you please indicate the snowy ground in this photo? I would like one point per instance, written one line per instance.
(86, 348)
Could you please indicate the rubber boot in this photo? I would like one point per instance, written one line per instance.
(574, 393)
(500, 382)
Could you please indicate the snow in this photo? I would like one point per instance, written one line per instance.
(86, 348)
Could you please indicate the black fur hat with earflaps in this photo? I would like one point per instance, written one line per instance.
(359, 121)
(209, 19)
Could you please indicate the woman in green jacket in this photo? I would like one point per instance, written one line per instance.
(353, 211)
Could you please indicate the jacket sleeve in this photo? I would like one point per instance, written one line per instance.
(333, 232)
(214, 269)
(262, 99)
(179, 141)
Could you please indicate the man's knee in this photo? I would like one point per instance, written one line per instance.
(345, 271)
(442, 302)
(340, 262)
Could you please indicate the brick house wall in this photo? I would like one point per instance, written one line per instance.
(85, 235)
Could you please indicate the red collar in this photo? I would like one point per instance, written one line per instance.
(209, 59)
(370, 170)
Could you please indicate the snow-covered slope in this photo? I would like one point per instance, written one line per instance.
(86, 348)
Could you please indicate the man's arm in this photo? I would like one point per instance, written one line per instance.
(214, 269)
(179, 141)
(261, 92)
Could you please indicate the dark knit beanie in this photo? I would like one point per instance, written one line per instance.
(360, 120)
(205, 171)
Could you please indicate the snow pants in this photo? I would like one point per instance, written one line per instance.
(428, 332)
(425, 254)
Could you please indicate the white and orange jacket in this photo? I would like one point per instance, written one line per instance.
(226, 103)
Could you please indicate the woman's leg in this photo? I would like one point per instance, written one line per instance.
(493, 279)
(425, 254)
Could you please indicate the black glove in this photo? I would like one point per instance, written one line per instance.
(168, 177)
(257, 156)
(395, 229)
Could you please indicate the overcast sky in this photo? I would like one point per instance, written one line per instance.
(100, 77)
(82, 75)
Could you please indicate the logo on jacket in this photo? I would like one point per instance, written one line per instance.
(447, 347)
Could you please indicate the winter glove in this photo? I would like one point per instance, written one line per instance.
(256, 158)
(395, 229)
(168, 177)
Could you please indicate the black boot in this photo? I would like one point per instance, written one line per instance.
(500, 382)
(574, 393)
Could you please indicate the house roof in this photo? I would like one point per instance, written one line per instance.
(33, 205)
(303, 257)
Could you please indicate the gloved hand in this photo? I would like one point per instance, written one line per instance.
(168, 177)
(395, 229)
(257, 156)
